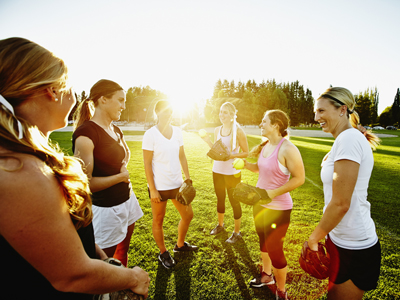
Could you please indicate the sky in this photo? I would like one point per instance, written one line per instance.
(182, 48)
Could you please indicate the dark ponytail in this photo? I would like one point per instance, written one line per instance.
(85, 110)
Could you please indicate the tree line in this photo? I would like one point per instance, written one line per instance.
(391, 114)
(252, 100)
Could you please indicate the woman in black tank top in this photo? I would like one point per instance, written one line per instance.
(45, 207)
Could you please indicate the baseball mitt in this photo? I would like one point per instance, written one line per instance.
(186, 192)
(119, 295)
(219, 151)
(315, 263)
(249, 194)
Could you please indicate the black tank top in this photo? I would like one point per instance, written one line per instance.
(22, 281)
(108, 155)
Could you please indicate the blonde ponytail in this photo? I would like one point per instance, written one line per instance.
(338, 97)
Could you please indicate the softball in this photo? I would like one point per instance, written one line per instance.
(238, 163)
(202, 133)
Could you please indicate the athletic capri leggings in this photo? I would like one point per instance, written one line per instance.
(271, 226)
(223, 183)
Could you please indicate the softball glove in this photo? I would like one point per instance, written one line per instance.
(250, 195)
(186, 192)
(315, 263)
(119, 295)
(219, 151)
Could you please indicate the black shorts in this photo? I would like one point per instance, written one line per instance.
(165, 195)
(361, 266)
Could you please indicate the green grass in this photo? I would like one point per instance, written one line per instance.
(222, 271)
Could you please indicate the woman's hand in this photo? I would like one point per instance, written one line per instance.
(272, 194)
(143, 282)
(124, 174)
(155, 196)
(312, 244)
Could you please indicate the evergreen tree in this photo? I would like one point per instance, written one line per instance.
(239, 90)
(396, 109)
(363, 108)
(217, 88)
(385, 117)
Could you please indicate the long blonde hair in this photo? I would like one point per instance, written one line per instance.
(26, 68)
(339, 96)
(278, 117)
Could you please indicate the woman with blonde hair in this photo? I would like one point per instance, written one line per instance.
(346, 224)
(46, 234)
(101, 146)
(225, 176)
(281, 170)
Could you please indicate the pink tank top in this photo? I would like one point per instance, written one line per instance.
(271, 177)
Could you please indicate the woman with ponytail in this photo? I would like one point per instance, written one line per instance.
(225, 176)
(46, 233)
(281, 170)
(101, 146)
(346, 224)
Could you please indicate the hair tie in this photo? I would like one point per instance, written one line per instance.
(9, 107)
(338, 101)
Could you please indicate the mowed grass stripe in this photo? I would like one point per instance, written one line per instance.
(221, 271)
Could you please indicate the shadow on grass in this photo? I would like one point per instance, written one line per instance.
(181, 274)
(240, 248)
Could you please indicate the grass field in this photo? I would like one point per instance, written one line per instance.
(222, 271)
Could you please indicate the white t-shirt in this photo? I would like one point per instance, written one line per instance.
(166, 165)
(357, 229)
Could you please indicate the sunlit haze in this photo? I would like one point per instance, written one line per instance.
(182, 48)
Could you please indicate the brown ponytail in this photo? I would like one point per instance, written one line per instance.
(276, 116)
(102, 88)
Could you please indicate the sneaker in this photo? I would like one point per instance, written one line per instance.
(279, 295)
(218, 229)
(167, 261)
(185, 247)
(256, 282)
(234, 237)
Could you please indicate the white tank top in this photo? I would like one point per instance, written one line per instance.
(225, 167)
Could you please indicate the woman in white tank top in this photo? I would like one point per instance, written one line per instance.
(225, 176)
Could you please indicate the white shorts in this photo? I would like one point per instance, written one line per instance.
(110, 224)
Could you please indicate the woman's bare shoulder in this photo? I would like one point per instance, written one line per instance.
(288, 147)
(22, 174)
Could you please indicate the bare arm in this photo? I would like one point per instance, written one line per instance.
(207, 137)
(84, 149)
(344, 181)
(253, 167)
(148, 169)
(184, 164)
(35, 221)
(294, 163)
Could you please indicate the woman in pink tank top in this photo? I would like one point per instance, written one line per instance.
(281, 170)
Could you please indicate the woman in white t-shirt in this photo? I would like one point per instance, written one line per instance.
(225, 176)
(164, 155)
(350, 233)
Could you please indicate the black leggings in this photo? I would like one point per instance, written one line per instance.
(271, 227)
(223, 183)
